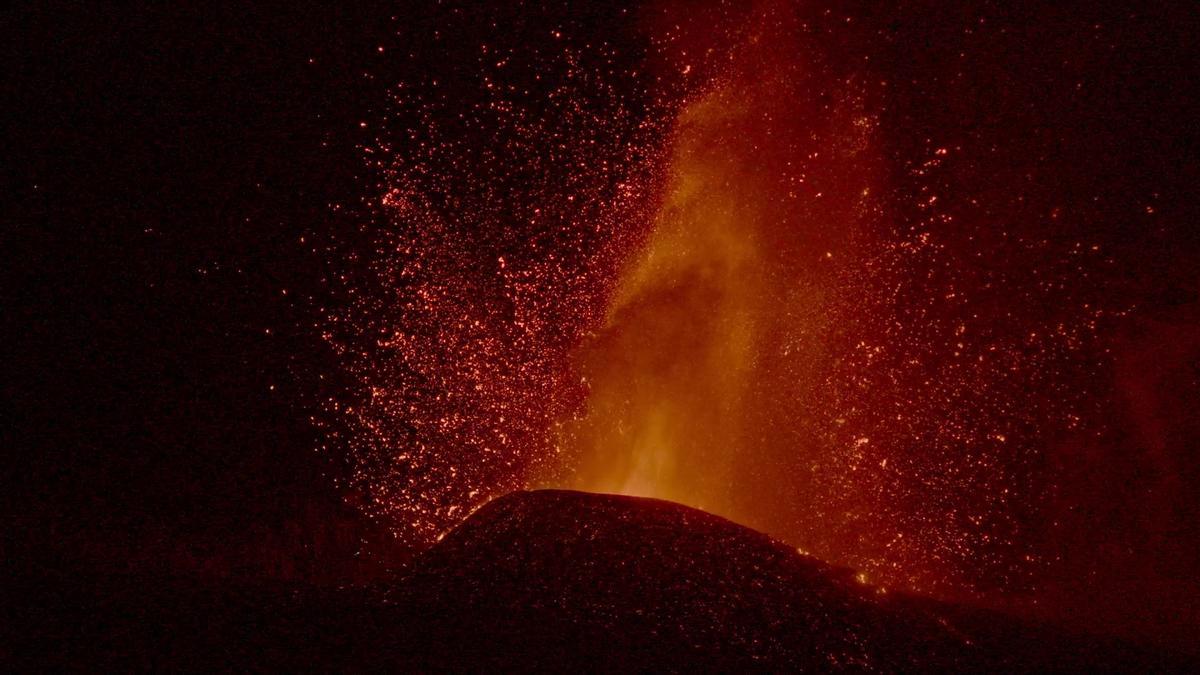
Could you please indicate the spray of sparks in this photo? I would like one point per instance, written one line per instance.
(698, 273)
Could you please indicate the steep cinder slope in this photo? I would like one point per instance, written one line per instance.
(560, 579)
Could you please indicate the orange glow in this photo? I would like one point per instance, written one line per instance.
(711, 341)
(732, 282)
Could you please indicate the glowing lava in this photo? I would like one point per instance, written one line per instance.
(768, 187)
(706, 278)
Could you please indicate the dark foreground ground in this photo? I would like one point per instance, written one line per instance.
(546, 580)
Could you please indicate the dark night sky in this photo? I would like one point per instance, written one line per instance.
(165, 163)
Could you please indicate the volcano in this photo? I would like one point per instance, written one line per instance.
(562, 579)
(558, 580)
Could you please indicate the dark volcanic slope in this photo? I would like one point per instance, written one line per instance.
(642, 579)
(558, 578)
(546, 580)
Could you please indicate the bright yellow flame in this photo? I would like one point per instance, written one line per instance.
(668, 370)
(751, 361)
(700, 377)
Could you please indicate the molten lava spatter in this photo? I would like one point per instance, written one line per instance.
(770, 188)
(500, 214)
(702, 271)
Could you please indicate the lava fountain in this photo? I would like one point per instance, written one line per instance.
(767, 192)
(703, 272)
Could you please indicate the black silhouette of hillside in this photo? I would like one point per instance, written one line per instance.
(554, 580)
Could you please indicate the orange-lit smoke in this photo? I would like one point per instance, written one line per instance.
(702, 375)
